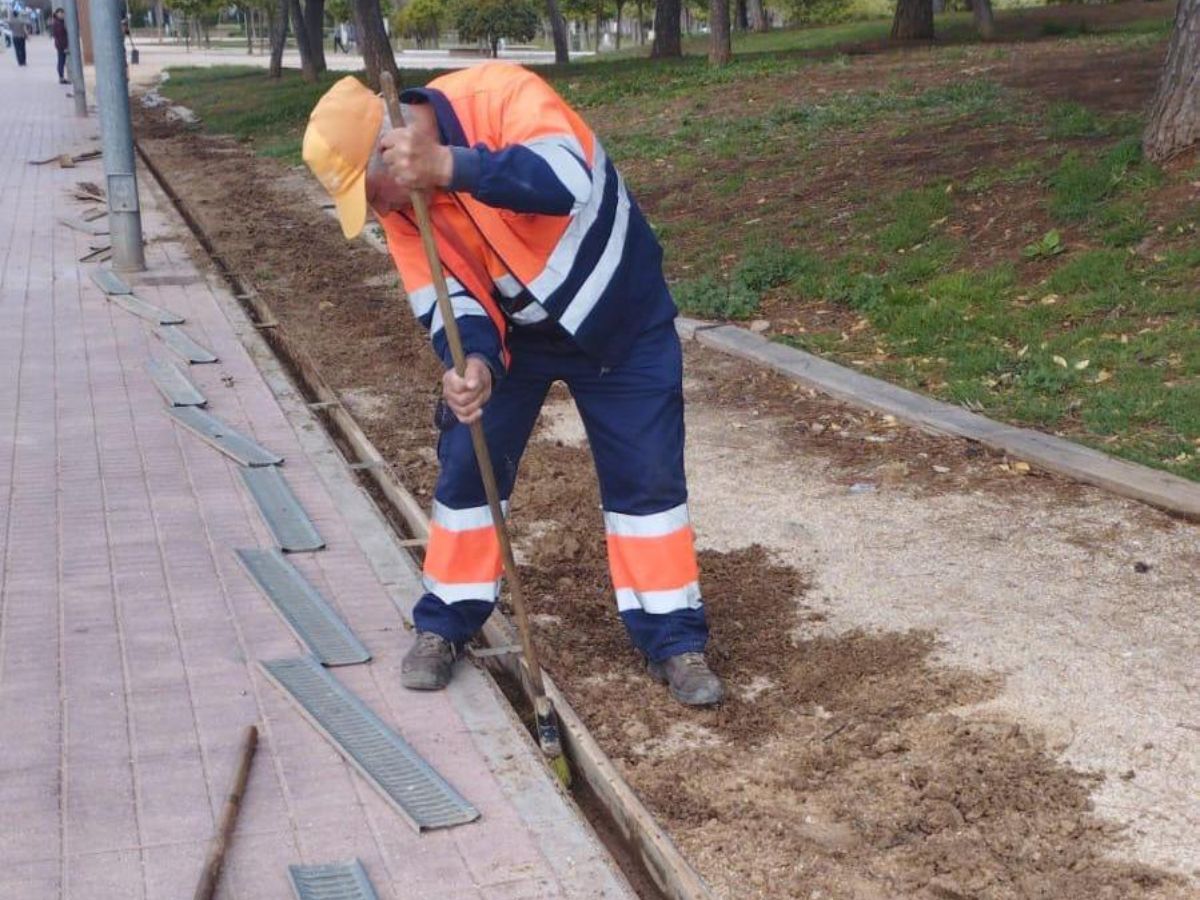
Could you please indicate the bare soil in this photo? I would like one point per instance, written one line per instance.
(846, 765)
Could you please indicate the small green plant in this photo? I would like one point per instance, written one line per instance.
(772, 266)
(1066, 29)
(914, 214)
(1071, 120)
(1081, 184)
(1050, 244)
(1122, 224)
(715, 298)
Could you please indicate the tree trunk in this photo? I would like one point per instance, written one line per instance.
(314, 23)
(641, 23)
(562, 50)
(248, 24)
(1174, 123)
(985, 22)
(667, 41)
(158, 19)
(720, 48)
(742, 16)
(373, 42)
(278, 18)
(300, 30)
(756, 17)
(913, 21)
(620, 7)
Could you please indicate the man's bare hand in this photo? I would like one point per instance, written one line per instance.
(415, 159)
(466, 396)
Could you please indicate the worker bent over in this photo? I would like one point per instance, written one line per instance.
(554, 275)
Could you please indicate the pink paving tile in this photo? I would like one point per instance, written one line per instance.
(523, 889)
(96, 729)
(172, 870)
(117, 874)
(21, 880)
(100, 810)
(174, 801)
(257, 866)
(163, 721)
(29, 829)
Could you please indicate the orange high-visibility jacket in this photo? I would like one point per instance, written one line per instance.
(537, 226)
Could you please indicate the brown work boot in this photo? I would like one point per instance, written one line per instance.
(692, 682)
(428, 665)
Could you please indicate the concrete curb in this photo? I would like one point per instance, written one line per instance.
(1161, 489)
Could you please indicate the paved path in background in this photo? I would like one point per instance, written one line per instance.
(154, 57)
(129, 634)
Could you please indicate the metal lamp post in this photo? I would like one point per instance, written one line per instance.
(116, 136)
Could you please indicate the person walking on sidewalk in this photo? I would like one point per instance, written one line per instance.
(555, 275)
(58, 30)
(19, 31)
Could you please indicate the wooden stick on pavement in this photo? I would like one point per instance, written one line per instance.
(233, 804)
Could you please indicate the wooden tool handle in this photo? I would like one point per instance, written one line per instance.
(483, 457)
(233, 804)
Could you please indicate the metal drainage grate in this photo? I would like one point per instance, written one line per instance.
(178, 340)
(228, 440)
(306, 611)
(419, 793)
(289, 523)
(173, 384)
(110, 282)
(144, 310)
(332, 881)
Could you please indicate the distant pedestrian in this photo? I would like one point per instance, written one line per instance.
(338, 43)
(58, 30)
(20, 31)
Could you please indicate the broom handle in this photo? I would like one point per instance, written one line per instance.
(482, 456)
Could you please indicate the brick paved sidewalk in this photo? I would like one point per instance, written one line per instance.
(129, 634)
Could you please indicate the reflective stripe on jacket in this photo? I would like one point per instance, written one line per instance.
(471, 271)
(555, 216)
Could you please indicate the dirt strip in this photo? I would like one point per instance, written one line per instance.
(950, 678)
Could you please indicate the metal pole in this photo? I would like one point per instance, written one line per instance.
(75, 58)
(116, 136)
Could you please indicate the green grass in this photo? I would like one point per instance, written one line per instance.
(1083, 182)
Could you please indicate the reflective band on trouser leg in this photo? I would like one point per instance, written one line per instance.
(462, 559)
(461, 573)
(653, 561)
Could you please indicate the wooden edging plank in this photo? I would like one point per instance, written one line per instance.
(1054, 454)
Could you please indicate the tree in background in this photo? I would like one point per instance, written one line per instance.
(558, 27)
(585, 12)
(308, 69)
(913, 21)
(421, 20)
(492, 20)
(278, 18)
(985, 22)
(756, 16)
(314, 25)
(720, 46)
(668, 43)
(1174, 123)
(620, 5)
(373, 42)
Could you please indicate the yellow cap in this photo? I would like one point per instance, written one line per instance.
(338, 143)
